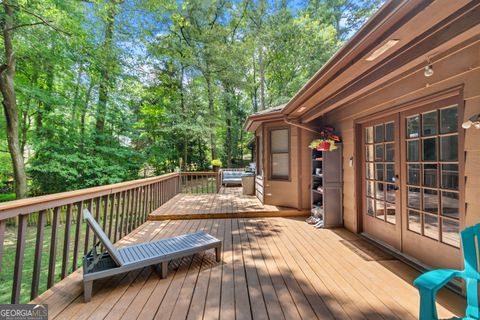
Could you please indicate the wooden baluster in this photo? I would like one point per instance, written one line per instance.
(138, 206)
(19, 256)
(98, 205)
(122, 217)
(53, 248)
(86, 247)
(112, 212)
(144, 206)
(78, 230)
(66, 241)
(117, 213)
(37, 259)
(3, 224)
(127, 212)
(105, 211)
(132, 210)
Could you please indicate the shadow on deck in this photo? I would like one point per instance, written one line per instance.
(277, 268)
(228, 203)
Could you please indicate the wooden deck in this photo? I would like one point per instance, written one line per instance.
(272, 268)
(228, 203)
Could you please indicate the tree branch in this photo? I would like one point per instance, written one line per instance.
(39, 17)
(26, 25)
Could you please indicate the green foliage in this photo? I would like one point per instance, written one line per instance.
(216, 163)
(170, 81)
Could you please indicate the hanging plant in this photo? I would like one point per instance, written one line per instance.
(327, 140)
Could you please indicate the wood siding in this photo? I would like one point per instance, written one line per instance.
(461, 68)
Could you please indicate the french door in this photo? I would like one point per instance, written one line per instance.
(381, 205)
(412, 193)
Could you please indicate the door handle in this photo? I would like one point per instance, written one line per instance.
(396, 183)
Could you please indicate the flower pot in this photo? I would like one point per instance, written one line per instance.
(324, 146)
(216, 168)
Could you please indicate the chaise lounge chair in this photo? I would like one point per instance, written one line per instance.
(119, 260)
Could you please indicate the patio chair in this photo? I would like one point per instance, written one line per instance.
(429, 283)
(119, 260)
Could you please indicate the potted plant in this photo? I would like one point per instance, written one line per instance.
(216, 164)
(327, 140)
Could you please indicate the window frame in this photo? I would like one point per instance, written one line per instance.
(270, 154)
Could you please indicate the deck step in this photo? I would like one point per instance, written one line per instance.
(245, 214)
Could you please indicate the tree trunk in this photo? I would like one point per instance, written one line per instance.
(104, 86)
(184, 117)
(84, 113)
(7, 87)
(261, 66)
(213, 135)
(76, 95)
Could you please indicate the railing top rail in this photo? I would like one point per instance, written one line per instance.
(198, 173)
(24, 206)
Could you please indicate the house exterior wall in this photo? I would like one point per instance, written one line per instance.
(461, 68)
(288, 193)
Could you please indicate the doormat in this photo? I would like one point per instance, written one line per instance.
(367, 251)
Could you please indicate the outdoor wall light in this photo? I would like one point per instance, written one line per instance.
(474, 120)
(428, 71)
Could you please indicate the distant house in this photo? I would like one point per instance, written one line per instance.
(397, 93)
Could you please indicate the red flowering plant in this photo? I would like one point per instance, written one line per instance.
(327, 140)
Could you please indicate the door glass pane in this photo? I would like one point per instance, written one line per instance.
(430, 200)
(379, 152)
(390, 211)
(413, 174)
(379, 133)
(448, 120)
(369, 135)
(412, 151)
(430, 149)
(450, 204)
(430, 175)
(389, 152)
(379, 172)
(391, 193)
(389, 131)
(449, 147)
(380, 209)
(429, 123)
(370, 207)
(369, 152)
(450, 232)
(413, 200)
(370, 188)
(413, 127)
(450, 176)
(369, 169)
(390, 170)
(414, 222)
(380, 191)
(430, 226)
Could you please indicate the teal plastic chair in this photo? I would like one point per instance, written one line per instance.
(429, 283)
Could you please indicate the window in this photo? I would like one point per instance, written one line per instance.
(280, 154)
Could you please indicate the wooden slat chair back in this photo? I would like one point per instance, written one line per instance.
(103, 237)
(429, 283)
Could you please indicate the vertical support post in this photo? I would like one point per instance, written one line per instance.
(3, 224)
(19, 256)
(78, 230)
(37, 260)
(66, 241)
(53, 248)
(87, 229)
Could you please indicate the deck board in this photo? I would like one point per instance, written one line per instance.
(228, 203)
(272, 268)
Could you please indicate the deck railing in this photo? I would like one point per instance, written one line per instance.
(200, 182)
(43, 239)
